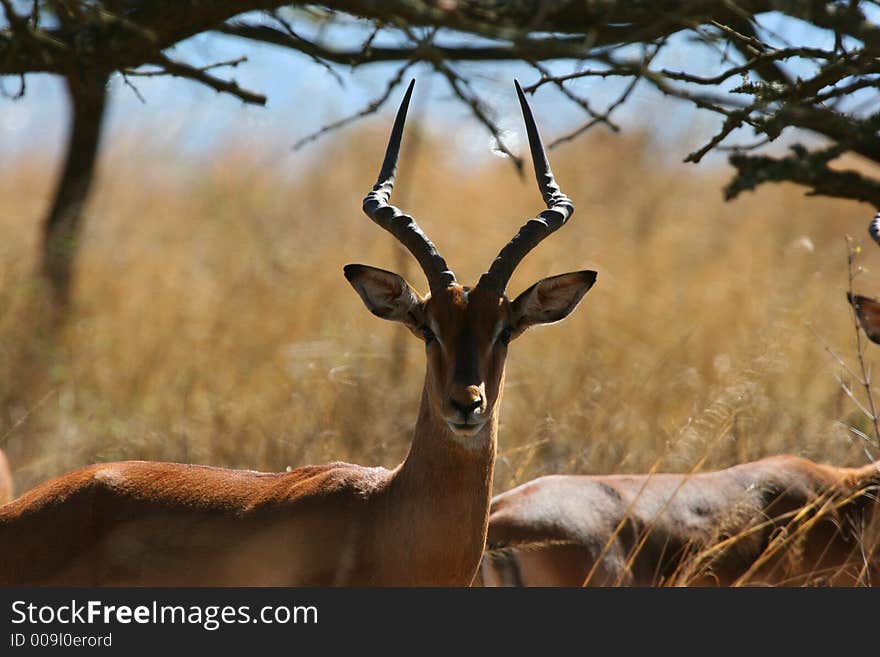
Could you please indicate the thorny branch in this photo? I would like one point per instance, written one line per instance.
(167, 66)
(368, 109)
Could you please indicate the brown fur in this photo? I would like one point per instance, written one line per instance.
(782, 520)
(868, 312)
(7, 490)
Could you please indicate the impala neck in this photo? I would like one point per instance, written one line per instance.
(435, 448)
(442, 491)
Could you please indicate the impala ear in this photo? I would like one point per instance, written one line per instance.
(868, 312)
(550, 299)
(386, 295)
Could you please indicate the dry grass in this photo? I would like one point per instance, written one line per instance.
(213, 324)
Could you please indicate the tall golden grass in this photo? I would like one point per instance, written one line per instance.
(212, 323)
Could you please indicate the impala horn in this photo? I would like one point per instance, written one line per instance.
(559, 209)
(392, 219)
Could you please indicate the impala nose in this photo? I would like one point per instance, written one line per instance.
(467, 401)
(464, 410)
(466, 407)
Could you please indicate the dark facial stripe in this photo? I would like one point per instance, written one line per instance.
(465, 370)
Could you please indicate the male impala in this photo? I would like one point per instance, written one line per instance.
(423, 522)
(782, 520)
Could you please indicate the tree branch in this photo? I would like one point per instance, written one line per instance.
(181, 70)
(370, 108)
(754, 83)
(804, 168)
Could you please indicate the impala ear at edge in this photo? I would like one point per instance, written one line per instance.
(551, 299)
(386, 294)
(868, 312)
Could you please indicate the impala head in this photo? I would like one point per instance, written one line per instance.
(467, 330)
(867, 309)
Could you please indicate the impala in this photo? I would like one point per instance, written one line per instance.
(6, 488)
(424, 522)
(867, 309)
(782, 520)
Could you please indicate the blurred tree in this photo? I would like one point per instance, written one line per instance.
(758, 81)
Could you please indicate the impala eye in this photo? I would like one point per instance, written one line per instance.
(505, 335)
(427, 334)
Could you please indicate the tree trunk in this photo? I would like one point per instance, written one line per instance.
(88, 98)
